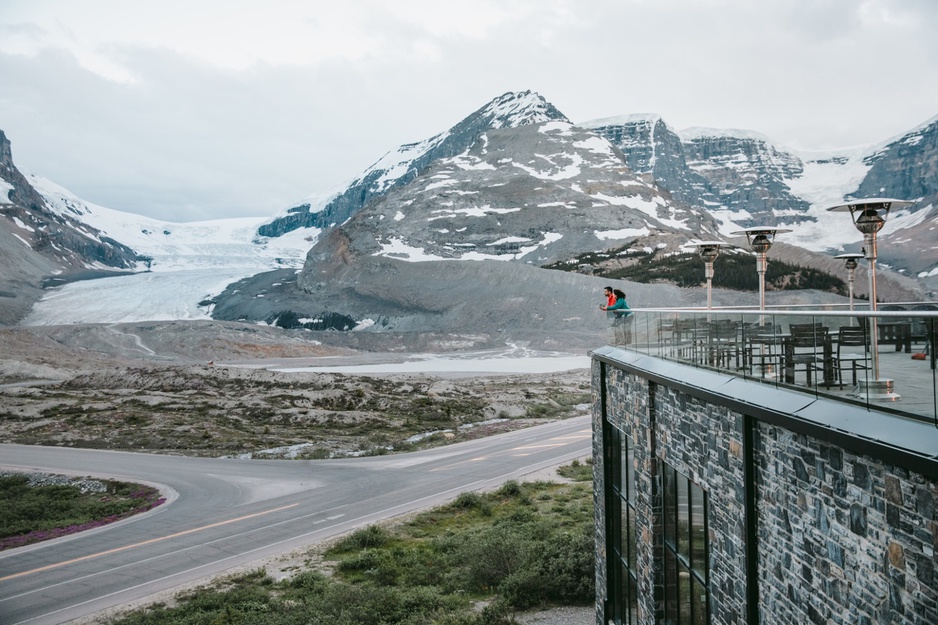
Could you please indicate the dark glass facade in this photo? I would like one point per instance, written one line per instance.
(684, 516)
(623, 589)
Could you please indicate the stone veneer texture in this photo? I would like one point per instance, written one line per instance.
(843, 538)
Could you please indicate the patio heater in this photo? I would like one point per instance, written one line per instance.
(709, 250)
(850, 263)
(760, 240)
(869, 216)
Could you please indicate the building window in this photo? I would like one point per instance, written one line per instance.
(686, 588)
(620, 531)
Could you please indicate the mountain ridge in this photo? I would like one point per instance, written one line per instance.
(683, 184)
(398, 167)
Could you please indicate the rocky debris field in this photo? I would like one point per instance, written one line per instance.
(153, 388)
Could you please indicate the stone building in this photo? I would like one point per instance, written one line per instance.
(722, 500)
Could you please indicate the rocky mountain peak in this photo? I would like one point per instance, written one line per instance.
(401, 166)
(6, 152)
(54, 243)
(514, 109)
(20, 193)
(905, 167)
(533, 194)
(729, 171)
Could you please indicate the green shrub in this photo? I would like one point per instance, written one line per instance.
(566, 565)
(364, 538)
(577, 471)
(510, 489)
(489, 555)
(467, 501)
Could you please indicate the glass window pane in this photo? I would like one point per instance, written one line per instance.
(684, 595)
(629, 470)
(698, 531)
(615, 594)
(631, 610)
(632, 538)
(624, 465)
(615, 526)
(683, 518)
(625, 538)
(701, 617)
(622, 608)
(612, 450)
(670, 587)
(670, 504)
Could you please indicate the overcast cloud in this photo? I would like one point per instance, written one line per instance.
(221, 108)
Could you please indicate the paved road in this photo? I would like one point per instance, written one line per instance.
(225, 513)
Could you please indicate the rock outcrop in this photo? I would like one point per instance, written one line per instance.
(37, 243)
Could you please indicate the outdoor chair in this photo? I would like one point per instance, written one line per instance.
(809, 346)
(666, 331)
(853, 349)
(920, 327)
(723, 342)
(760, 344)
(687, 334)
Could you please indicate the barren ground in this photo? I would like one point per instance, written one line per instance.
(166, 388)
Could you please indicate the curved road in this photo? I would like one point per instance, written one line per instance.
(224, 513)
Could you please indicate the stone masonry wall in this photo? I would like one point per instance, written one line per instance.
(599, 488)
(703, 442)
(843, 538)
(629, 410)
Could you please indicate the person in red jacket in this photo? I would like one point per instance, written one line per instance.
(610, 296)
(621, 318)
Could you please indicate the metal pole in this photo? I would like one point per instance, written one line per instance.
(850, 288)
(850, 262)
(708, 272)
(870, 240)
(760, 269)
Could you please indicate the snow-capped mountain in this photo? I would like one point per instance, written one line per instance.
(60, 236)
(535, 193)
(463, 244)
(399, 167)
(739, 177)
(743, 179)
(37, 242)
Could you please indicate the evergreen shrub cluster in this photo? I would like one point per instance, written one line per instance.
(731, 271)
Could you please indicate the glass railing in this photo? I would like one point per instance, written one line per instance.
(884, 360)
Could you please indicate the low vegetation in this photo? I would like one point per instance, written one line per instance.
(33, 512)
(476, 561)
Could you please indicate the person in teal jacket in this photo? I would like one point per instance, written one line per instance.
(620, 305)
(621, 322)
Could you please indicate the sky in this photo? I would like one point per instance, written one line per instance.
(210, 109)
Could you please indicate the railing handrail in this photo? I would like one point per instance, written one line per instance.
(928, 314)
